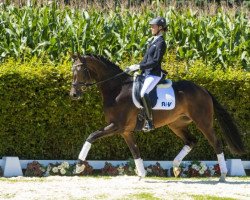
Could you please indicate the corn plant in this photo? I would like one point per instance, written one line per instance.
(119, 34)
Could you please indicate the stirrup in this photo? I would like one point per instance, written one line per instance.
(148, 126)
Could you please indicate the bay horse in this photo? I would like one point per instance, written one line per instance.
(193, 104)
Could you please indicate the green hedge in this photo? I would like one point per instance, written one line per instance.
(40, 121)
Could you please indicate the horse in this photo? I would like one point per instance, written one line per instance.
(194, 104)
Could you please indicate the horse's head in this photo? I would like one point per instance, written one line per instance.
(94, 70)
(81, 76)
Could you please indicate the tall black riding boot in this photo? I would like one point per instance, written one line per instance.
(148, 108)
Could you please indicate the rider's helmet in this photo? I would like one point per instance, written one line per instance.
(160, 21)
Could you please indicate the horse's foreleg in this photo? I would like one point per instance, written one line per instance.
(107, 131)
(130, 140)
(177, 161)
(185, 150)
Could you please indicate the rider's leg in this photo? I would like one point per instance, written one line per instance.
(149, 84)
(148, 109)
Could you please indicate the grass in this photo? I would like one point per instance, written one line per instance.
(98, 176)
(7, 196)
(142, 196)
(45, 179)
(207, 197)
(24, 179)
(101, 196)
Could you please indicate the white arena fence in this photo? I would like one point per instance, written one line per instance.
(12, 166)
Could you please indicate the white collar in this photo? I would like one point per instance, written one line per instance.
(156, 37)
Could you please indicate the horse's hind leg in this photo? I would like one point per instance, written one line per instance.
(180, 128)
(205, 124)
(201, 111)
(209, 133)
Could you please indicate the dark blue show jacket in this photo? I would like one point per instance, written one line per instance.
(152, 59)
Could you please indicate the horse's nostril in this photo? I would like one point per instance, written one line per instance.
(72, 94)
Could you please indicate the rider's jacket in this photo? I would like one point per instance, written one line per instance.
(151, 63)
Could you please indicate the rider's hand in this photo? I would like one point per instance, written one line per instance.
(132, 68)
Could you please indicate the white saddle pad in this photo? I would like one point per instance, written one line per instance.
(165, 101)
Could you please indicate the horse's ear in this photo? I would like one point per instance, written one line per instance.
(78, 55)
(73, 56)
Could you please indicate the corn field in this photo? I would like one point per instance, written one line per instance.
(128, 3)
(52, 31)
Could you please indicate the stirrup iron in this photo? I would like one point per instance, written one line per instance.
(148, 126)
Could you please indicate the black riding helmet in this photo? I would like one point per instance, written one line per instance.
(160, 21)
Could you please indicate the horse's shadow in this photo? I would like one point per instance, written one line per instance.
(202, 182)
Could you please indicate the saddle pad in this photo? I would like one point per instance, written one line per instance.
(166, 98)
(162, 97)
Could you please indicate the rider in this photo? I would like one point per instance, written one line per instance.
(151, 65)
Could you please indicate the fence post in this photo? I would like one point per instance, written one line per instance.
(11, 167)
(235, 167)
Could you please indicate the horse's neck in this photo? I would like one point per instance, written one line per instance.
(114, 85)
(114, 88)
(111, 82)
(106, 74)
(103, 72)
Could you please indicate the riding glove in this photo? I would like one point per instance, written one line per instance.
(132, 68)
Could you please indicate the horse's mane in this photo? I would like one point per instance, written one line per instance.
(106, 61)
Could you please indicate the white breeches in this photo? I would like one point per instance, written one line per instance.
(149, 84)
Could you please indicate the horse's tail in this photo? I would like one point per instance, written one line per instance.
(230, 131)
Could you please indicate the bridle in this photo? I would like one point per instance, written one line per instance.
(82, 84)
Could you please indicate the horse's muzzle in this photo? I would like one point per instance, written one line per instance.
(75, 94)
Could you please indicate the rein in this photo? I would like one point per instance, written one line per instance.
(96, 83)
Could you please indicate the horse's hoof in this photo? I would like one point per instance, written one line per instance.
(177, 171)
(222, 178)
(79, 168)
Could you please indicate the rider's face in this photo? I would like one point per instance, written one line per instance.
(154, 29)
